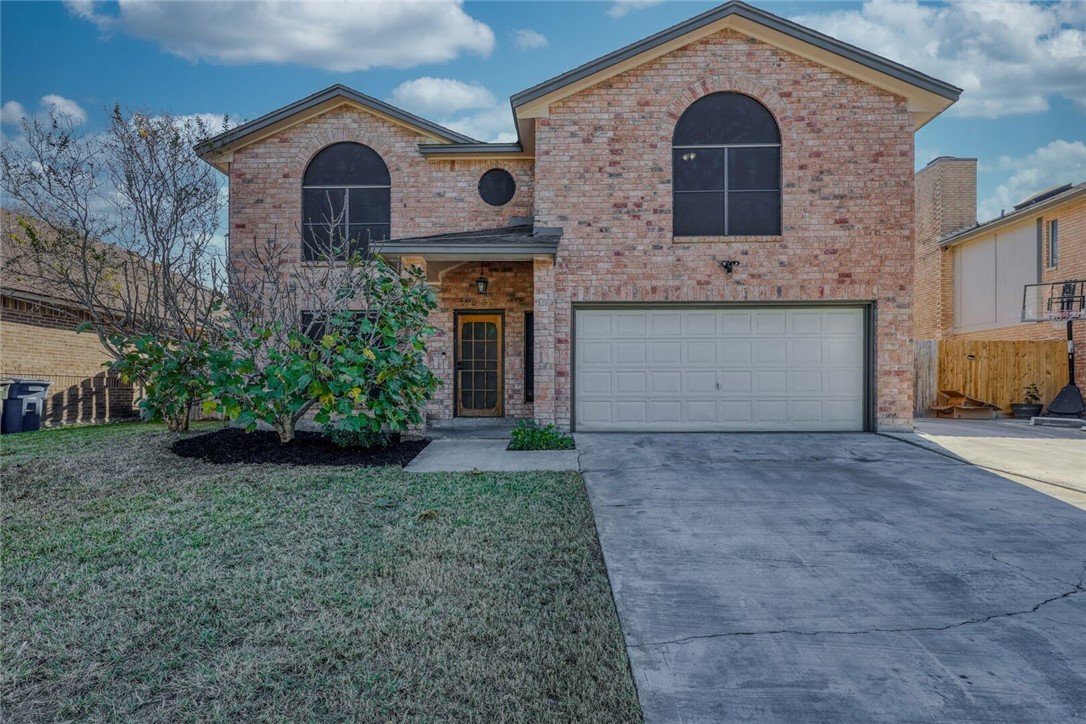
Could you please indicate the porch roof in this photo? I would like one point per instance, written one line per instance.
(521, 241)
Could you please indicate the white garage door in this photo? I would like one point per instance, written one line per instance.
(779, 369)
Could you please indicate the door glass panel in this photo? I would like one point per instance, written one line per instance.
(479, 365)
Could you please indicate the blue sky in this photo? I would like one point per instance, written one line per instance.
(1023, 65)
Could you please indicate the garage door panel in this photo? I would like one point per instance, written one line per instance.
(736, 382)
(666, 382)
(698, 324)
(700, 352)
(596, 383)
(733, 323)
(735, 353)
(806, 323)
(771, 323)
(666, 324)
(631, 411)
(701, 382)
(630, 324)
(630, 353)
(719, 369)
(631, 382)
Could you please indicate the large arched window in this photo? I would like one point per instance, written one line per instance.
(726, 176)
(346, 200)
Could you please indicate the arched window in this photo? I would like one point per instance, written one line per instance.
(346, 200)
(726, 168)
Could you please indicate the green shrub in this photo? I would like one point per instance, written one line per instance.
(530, 435)
(365, 437)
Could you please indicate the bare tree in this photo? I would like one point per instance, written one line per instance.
(120, 224)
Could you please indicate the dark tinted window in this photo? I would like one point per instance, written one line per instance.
(347, 164)
(726, 169)
(726, 119)
(346, 202)
(497, 187)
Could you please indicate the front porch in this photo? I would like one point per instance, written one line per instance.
(493, 340)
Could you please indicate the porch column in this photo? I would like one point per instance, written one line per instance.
(543, 303)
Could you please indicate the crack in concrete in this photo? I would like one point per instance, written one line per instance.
(1079, 588)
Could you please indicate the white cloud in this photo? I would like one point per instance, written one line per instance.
(1055, 164)
(493, 124)
(620, 7)
(64, 107)
(12, 113)
(335, 36)
(440, 95)
(528, 39)
(1010, 58)
(468, 108)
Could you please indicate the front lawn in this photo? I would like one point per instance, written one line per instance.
(139, 585)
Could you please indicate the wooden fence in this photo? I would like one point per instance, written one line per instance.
(992, 371)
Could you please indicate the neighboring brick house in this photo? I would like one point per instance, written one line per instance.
(38, 339)
(710, 229)
(970, 278)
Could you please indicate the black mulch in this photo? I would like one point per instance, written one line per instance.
(231, 445)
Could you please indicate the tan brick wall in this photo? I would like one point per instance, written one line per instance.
(603, 172)
(509, 291)
(946, 201)
(40, 342)
(428, 197)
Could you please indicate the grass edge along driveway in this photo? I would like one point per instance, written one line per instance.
(137, 585)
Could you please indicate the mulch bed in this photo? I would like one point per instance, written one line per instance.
(231, 445)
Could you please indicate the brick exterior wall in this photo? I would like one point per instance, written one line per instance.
(603, 172)
(428, 197)
(510, 291)
(41, 342)
(946, 201)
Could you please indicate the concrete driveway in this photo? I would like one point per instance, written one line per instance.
(837, 578)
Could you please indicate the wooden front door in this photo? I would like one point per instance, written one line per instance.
(479, 359)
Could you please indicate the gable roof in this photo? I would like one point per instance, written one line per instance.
(927, 96)
(216, 150)
(1036, 204)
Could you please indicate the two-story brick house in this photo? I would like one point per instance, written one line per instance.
(710, 229)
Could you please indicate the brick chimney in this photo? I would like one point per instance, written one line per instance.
(946, 201)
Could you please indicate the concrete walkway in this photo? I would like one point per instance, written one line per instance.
(837, 578)
(452, 455)
(1049, 459)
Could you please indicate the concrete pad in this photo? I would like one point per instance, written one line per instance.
(465, 455)
(837, 578)
(1055, 455)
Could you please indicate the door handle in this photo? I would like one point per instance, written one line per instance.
(459, 365)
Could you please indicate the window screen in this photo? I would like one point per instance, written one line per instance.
(346, 202)
(726, 169)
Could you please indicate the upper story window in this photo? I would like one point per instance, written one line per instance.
(726, 168)
(346, 202)
(1053, 243)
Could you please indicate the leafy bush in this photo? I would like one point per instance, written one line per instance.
(366, 438)
(174, 376)
(362, 367)
(530, 435)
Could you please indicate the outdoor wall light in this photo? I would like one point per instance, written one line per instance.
(481, 283)
(729, 265)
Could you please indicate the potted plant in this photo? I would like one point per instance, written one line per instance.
(1031, 407)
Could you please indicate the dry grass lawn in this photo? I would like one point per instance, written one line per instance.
(141, 586)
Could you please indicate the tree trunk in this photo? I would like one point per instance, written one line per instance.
(285, 428)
